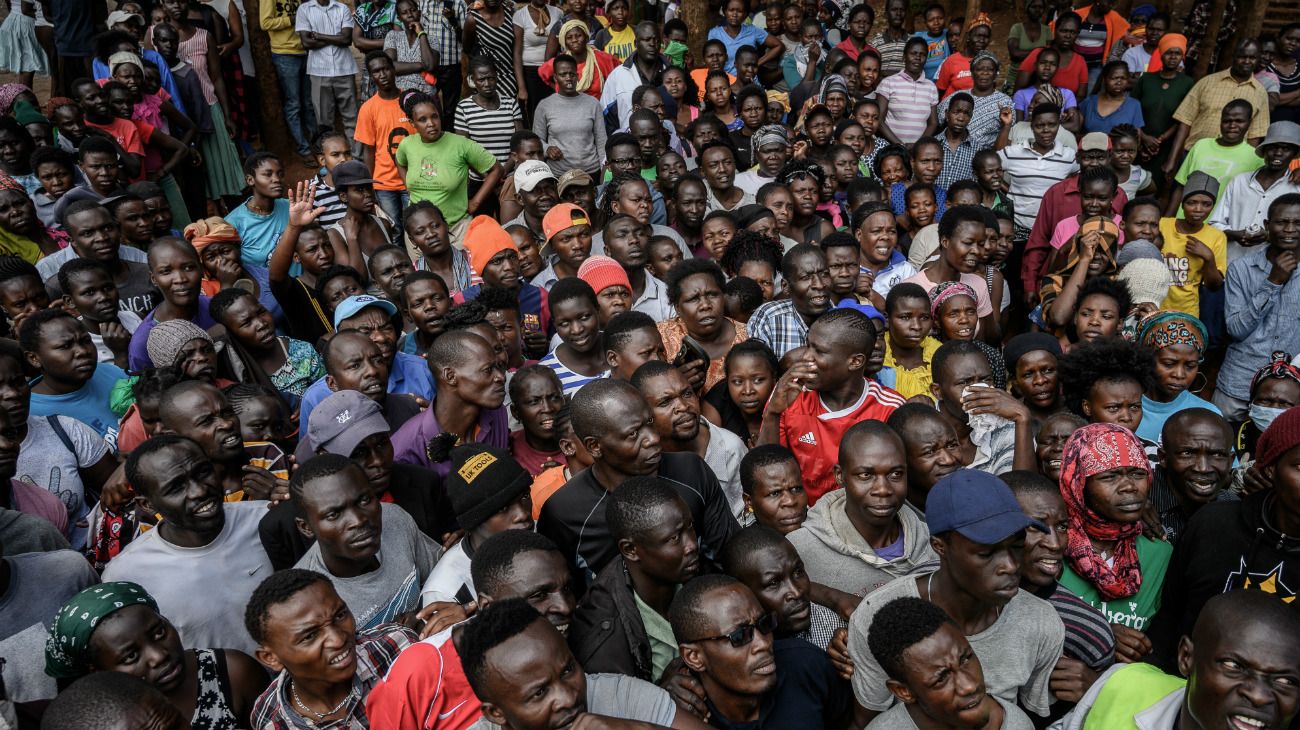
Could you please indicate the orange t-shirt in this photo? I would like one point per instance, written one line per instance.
(382, 124)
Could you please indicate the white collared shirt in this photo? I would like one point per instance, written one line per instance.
(331, 19)
(1244, 202)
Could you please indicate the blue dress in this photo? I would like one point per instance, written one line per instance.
(1130, 112)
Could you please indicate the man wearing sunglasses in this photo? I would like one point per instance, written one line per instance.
(750, 678)
(978, 530)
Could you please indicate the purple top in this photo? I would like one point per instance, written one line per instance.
(411, 439)
(137, 353)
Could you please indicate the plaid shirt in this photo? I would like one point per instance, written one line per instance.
(779, 325)
(1201, 108)
(377, 649)
(956, 161)
(444, 35)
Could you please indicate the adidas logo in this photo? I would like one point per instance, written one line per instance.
(808, 438)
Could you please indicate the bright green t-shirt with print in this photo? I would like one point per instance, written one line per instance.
(1136, 611)
(439, 172)
(1219, 162)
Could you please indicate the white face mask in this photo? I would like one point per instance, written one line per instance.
(1262, 416)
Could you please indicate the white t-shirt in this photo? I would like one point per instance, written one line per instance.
(450, 580)
(1017, 652)
(203, 591)
(129, 320)
(45, 461)
(621, 697)
(723, 455)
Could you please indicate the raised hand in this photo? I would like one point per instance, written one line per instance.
(302, 202)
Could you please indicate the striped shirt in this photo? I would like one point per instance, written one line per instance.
(328, 198)
(1088, 637)
(491, 128)
(1029, 175)
(570, 381)
(911, 102)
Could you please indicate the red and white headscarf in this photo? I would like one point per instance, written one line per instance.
(1091, 450)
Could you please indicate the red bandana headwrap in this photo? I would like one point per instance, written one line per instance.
(1091, 450)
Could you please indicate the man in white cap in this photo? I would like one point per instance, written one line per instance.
(375, 318)
(537, 189)
(1243, 204)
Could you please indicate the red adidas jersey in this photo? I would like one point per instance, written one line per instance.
(425, 688)
(813, 433)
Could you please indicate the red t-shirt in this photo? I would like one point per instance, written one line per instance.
(530, 458)
(813, 433)
(425, 688)
(1072, 76)
(125, 132)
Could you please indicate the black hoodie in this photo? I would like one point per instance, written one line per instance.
(1226, 546)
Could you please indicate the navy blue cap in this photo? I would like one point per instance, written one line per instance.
(976, 504)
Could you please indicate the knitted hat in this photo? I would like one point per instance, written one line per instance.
(1201, 183)
(482, 481)
(1138, 248)
(1280, 437)
(1148, 280)
(602, 272)
(167, 339)
(485, 238)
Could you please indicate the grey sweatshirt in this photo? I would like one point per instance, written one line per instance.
(835, 555)
(575, 125)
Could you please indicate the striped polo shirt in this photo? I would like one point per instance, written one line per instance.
(1029, 175)
(911, 102)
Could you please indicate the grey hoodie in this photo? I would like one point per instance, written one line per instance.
(835, 555)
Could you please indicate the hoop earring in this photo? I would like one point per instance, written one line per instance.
(1204, 382)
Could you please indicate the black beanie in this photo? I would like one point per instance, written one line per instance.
(483, 480)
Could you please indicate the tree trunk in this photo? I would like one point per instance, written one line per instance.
(696, 15)
(275, 132)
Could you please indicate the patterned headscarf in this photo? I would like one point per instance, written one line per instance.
(207, 231)
(167, 339)
(986, 56)
(770, 134)
(1091, 450)
(67, 650)
(9, 93)
(1279, 367)
(1165, 328)
(8, 182)
(830, 85)
(1055, 280)
(947, 290)
(981, 19)
(122, 57)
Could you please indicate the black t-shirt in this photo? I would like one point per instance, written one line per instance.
(304, 318)
(808, 693)
(574, 517)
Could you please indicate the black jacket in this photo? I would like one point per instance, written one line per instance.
(413, 488)
(574, 517)
(1226, 546)
(607, 634)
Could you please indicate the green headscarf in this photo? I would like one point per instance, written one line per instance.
(67, 651)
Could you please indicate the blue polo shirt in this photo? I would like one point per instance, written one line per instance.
(748, 36)
(408, 374)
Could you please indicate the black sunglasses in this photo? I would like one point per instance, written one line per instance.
(743, 634)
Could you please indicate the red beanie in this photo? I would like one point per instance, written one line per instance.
(1280, 437)
(602, 272)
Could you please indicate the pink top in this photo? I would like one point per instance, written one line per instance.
(1066, 229)
(195, 51)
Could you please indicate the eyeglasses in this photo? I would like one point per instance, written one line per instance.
(743, 634)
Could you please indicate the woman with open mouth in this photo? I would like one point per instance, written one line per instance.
(116, 627)
(1106, 480)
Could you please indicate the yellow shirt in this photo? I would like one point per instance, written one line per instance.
(914, 381)
(1185, 295)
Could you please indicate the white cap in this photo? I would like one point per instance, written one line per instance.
(530, 173)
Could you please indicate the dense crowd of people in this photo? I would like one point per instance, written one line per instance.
(863, 367)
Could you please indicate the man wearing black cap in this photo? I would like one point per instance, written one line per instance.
(977, 528)
(351, 527)
(489, 492)
(348, 423)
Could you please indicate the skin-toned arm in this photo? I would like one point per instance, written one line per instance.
(1002, 403)
(490, 182)
(178, 149)
(1062, 308)
(1006, 119)
(95, 476)
(179, 121)
(774, 48)
(1176, 153)
(933, 123)
(519, 65)
(247, 679)
(1210, 274)
(218, 83)
(345, 251)
(364, 44)
(368, 156)
(302, 211)
(787, 390)
(236, 23)
(470, 40)
(1175, 198)
(552, 46)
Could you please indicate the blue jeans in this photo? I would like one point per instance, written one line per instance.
(393, 203)
(299, 114)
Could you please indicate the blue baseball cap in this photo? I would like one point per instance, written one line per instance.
(867, 309)
(978, 505)
(352, 305)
